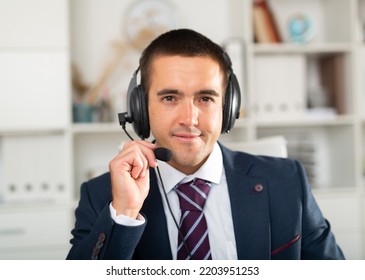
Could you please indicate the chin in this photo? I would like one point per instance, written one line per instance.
(190, 160)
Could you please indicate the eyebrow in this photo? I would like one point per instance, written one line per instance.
(208, 92)
(167, 91)
(200, 92)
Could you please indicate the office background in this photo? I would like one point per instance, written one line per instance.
(64, 70)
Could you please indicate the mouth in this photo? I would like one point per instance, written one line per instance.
(186, 137)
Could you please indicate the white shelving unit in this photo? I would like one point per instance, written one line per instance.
(44, 157)
(329, 145)
(35, 182)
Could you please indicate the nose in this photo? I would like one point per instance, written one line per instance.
(189, 113)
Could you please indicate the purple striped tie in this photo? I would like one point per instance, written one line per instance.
(193, 226)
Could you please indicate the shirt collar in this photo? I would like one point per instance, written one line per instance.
(211, 171)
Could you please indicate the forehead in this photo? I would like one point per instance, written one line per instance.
(204, 59)
(195, 68)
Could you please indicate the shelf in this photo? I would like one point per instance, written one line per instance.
(288, 48)
(32, 131)
(96, 128)
(308, 121)
(11, 207)
(89, 128)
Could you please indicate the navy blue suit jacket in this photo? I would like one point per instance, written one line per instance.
(274, 215)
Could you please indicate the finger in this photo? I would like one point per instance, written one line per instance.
(134, 159)
(146, 148)
(139, 166)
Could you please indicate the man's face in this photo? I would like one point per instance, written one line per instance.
(185, 102)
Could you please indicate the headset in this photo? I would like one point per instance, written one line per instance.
(137, 107)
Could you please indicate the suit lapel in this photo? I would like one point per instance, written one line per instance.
(250, 207)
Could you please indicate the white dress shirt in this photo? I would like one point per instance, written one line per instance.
(217, 208)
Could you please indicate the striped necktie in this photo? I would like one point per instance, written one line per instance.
(193, 241)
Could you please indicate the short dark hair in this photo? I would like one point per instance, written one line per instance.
(182, 42)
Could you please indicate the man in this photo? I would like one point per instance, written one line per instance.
(255, 207)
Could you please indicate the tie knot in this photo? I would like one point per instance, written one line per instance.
(192, 195)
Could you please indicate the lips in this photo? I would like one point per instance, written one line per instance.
(186, 138)
(187, 135)
(184, 135)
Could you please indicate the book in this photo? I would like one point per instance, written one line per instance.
(261, 32)
(265, 28)
(332, 69)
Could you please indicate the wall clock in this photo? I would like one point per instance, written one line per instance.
(146, 19)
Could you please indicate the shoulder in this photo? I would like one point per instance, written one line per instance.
(98, 184)
(284, 175)
(260, 165)
(97, 190)
(100, 180)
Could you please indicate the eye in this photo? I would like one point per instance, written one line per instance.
(206, 99)
(168, 98)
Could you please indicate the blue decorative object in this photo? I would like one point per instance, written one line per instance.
(82, 113)
(300, 29)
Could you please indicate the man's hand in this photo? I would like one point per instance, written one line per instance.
(130, 177)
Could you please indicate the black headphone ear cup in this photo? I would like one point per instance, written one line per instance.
(139, 112)
(232, 104)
